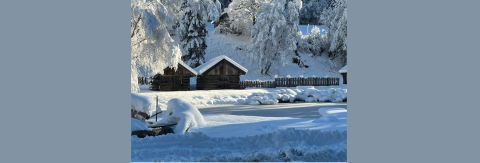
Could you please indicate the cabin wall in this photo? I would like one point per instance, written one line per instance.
(223, 69)
(221, 76)
(212, 82)
(344, 78)
(180, 71)
(172, 80)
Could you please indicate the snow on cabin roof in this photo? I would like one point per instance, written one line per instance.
(188, 67)
(343, 70)
(207, 65)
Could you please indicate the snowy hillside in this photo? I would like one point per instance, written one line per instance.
(236, 47)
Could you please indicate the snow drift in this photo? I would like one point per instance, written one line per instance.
(331, 114)
(182, 113)
(278, 146)
(301, 93)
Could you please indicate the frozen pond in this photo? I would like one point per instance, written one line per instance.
(293, 110)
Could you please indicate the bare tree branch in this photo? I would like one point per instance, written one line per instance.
(135, 27)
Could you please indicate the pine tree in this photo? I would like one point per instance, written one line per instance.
(192, 32)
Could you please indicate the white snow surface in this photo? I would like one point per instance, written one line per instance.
(332, 114)
(138, 125)
(182, 113)
(188, 67)
(204, 67)
(218, 125)
(343, 70)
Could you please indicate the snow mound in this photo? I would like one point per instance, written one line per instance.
(332, 114)
(182, 113)
(138, 125)
(278, 146)
(142, 103)
(263, 99)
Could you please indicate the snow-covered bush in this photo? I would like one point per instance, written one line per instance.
(182, 113)
(138, 125)
(305, 93)
(263, 99)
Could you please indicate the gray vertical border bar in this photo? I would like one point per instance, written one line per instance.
(413, 81)
(64, 92)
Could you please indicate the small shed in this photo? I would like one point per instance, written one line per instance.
(219, 73)
(343, 71)
(173, 79)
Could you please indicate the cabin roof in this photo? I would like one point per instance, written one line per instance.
(188, 67)
(212, 62)
(343, 70)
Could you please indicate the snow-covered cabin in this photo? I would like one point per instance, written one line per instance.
(343, 71)
(219, 73)
(173, 79)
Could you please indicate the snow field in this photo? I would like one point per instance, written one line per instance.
(218, 125)
(278, 146)
(182, 113)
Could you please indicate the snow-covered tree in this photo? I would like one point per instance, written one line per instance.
(174, 10)
(292, 31)
(192, 29)
(335, 19)
(225, 3)
(269, 46)
(315, 42)
(152, 47)
(275, 34)
(243, 14)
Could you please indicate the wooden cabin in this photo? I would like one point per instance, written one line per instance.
(343, 71)
(173, 79)
(219, 73)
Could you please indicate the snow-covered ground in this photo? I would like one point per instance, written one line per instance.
(271, 133)
(251, 138)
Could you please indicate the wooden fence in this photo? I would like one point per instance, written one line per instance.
(144, 80)
(279, 82)
(291, 82)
